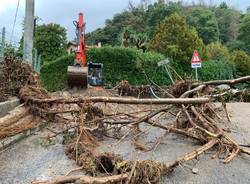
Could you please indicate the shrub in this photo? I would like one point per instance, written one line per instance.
(216, 70)
(241, 60)
(216, 51)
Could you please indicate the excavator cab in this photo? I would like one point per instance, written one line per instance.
(81, 74)
(95, 74)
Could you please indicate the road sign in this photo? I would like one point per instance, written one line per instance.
(196, 60)
(163, 62)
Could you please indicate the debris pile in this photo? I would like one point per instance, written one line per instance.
(180, 87)
(125, 89)
(13, 76)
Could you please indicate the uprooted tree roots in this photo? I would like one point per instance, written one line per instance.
(125, 89)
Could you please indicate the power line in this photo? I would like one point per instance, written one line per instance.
(14, 24)
(10, 36)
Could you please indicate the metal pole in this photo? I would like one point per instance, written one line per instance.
(196, 74)
(35, 60)
(39, 63)
(169, 74)
(28, 31)
(2, 45)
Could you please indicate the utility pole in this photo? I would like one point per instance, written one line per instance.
(28, 31)
(2, 45)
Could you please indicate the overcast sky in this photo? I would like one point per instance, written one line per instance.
(65, 11)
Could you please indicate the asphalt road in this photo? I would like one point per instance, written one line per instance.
(29, 160)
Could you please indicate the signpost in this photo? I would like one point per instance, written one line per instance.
(196, 63)
(164, 63)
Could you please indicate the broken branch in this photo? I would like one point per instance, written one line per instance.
(230, 82)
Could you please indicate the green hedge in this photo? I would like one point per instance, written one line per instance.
(216, 70)
(54, 73)
(119, 64)
(132, 65)
(241, 61)
(211, 70)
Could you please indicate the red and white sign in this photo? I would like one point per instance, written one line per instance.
(196, 60)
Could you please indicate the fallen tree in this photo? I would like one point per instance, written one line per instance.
(27, 95)
(218, 82)
(23, 124)
(14, 116)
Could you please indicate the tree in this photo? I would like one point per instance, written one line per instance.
(228, 22)
(244, 35)
(131, 5)
(223, 5)
(248, 9)
(140, 41)
(127, 36)
(144, 4)
(241, 60)
(142, 19)
(205, 23)
(176, 40)
(158, 12)
(130, 38)
(235, 45)
(110, 34)
(216, 51)
(50, 41)
(11, 50)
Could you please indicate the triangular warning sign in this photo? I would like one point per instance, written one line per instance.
(196, 58)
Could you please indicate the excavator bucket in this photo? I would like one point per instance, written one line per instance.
(77, 76)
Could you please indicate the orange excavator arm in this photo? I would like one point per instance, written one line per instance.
(78, 73)
(80, 56)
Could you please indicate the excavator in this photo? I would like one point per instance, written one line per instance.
(83, 73)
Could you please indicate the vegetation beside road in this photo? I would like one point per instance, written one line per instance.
(137, 38)
(128, 64)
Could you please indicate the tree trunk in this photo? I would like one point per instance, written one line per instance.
(162, 101)
(81, 179)
(230, 82)
(13, 116)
